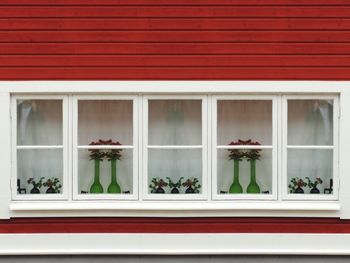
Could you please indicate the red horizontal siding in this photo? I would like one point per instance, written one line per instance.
(173, 24)
(174, 11)
(174, 225)
(174, 60)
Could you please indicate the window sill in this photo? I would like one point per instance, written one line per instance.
(181, 208)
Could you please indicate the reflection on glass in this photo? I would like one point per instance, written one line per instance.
(175, 122)
(106, 174)
(105, 119)
(232, 172)
(39, 171)
(39, 122)
(173, 166)
(310, 122)
(244, 119)
(305, 167)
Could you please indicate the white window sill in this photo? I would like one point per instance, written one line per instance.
(180, 207)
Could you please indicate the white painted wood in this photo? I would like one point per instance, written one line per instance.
(344, 153)
(76, 147)
(166, 197)
(188, 89)
(215, 147)
(285, 147)
(5, 155)
(174, 87)
(65, 182)
(175, 244)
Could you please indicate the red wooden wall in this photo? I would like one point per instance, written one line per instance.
(174, 40)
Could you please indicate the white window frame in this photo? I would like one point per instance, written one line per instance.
(314, 208)
(334, 147)
(275, 133)
(134, 147)
(65, 149)
(204, 147)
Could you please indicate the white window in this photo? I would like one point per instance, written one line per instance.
(210, 150)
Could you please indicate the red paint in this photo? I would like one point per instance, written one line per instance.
(174, 225)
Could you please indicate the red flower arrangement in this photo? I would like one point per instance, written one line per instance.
(99, 154)
(250, 154)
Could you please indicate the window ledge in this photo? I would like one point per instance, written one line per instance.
(176, 206)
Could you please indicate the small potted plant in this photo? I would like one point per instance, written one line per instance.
(157, 185)
(295, 186)
(313, 185)
(175, 186)
(192, 185)
(53, 185)
(36, 185)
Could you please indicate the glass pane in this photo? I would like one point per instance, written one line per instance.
(317, 165)
(112, 177)
(175, 122)
(104, 120)
(227, 174)
(310, 122)
(174, 165)
(39, 171)
(39, 122)
(244, 120)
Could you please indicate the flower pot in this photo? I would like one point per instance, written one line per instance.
(35, 190)
(175, 191)
(314, 190)
(299, 190)
(189, 190)
(159, 190)
(50, 190)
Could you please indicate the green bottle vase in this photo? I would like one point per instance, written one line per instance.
(96, 187)
(253, 187)
(236, 187)
(114, 187)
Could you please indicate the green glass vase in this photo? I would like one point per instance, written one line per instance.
(114, 187)
(236, 187)
(253, 187)
(96, 187)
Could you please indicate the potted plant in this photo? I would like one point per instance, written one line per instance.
(54, 185)
(97, 156)
(313, 185)
(175, 186)
(36, 185)
(113, 155)
(236, 155)
(252, 156)
(295, 186)
(157, 185)
(192, 185)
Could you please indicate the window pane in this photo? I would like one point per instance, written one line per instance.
(310, 122)
(244, 120)
(226, 172)
(174, 164)
(105, 119)
(39, 122)
(175, 122)
(36, 167)
(87, 173)
(314, 164)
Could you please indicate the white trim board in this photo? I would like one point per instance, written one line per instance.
(175, 244)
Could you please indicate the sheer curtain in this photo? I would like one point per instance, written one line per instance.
(175, 122)
(310, 122)
(39, 123)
